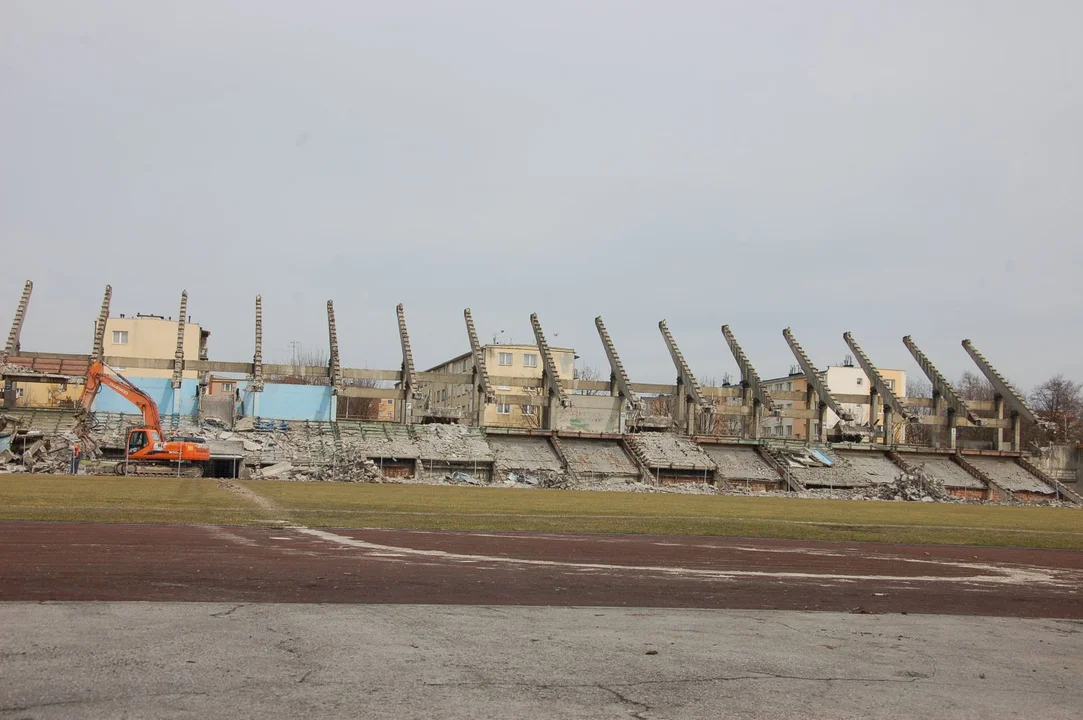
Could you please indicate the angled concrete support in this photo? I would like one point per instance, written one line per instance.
(334, 366)
(99, 326)
(408, 379)
(483, 389)
(619, 384)
(256, 388)
(689, 396)
(944, 395)
(550, 379)
(755, 394)
(14, 335)
(818, 391)
(1006, 395)
(178, 356)
(878, 390)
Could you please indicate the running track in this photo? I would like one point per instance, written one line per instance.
(54, 561)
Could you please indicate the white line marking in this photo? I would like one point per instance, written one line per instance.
(1002, 576)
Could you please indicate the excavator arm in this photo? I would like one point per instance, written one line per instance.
(101, 374)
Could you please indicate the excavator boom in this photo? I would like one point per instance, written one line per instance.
(97, 376)
(145, 453)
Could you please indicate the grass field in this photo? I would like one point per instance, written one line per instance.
(114, 499)
(117, 499)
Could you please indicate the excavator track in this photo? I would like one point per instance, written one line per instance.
(146, 469)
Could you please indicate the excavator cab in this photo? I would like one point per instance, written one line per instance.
(137, 440)
(141, 439)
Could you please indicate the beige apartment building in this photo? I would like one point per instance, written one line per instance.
(142, 336)
(842, 380)
(152, 337)
(508, 366)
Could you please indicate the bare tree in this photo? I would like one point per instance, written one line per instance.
(300, 356)
(718, 423)
(587, 373)
(917, 434)
(359, 408)
(972, 386)
(1060, 401)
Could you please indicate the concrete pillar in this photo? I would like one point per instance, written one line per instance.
(1017, 433)
(810, 404)
(951, 429)
(334, 408)
(889, 434)
(679, 401)
(255, 403)
(934, 433)
(822, 434)
(757, 420)
(874, 410)
(998, 413)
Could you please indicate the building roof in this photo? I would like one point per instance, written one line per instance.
(509, 346)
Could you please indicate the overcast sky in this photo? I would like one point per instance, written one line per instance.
(884, 168)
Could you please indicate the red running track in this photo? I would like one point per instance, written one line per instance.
(55, 561)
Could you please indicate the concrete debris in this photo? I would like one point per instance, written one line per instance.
(276, 470)
(912, 486)
(33, 441)
(461, 478)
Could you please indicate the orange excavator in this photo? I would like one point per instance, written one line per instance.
(145, 452)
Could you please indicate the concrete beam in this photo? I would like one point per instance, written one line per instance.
(334, 366)
(941, 386)
(99, 327)
(689, 396)
(257, 355)
(483, 388)
(1014, 399)
(178, 354)
(819, 394)
(618, 376)
(890, 399)
(754, 392)
(549, 367)
(14, 335)
(408, 378)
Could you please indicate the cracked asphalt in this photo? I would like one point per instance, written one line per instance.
(125, 621)
(235, 661)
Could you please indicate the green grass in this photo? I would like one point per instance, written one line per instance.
(469, 508)
(171, 500)
(119, 499)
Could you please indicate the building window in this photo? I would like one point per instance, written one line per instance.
(505, 358)
(227, 387)
(860, 382)
(789, 431)
(528, 409)
(120, 337)
(890, 384)
(530, 360)
(503, 409)
(789, 386)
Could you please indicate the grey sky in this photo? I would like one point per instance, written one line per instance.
(878, 167)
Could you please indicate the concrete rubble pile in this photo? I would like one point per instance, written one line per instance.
(914, 485)
(25, 450)
(641, 487)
